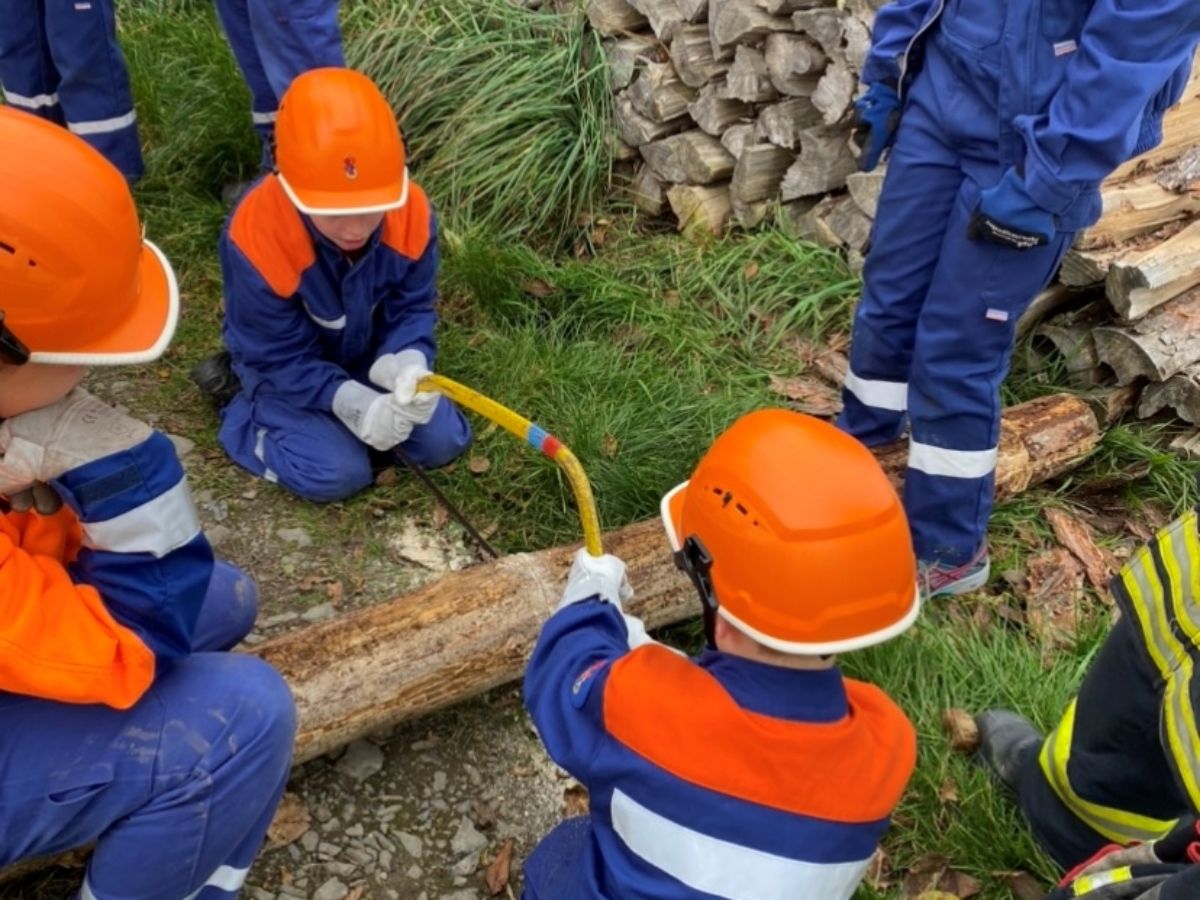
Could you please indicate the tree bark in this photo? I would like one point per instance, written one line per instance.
(692, 56)
(1165, 341)
(759, 171)
(732, 23)
(658, 94)
(625, 55)
(706, 207)
(748, 79)
(714, 113)
(614, 17)
(825, 161)
(1140, 281)
(635, 129)
(648, 193)
(692, 156)
(1179, 393)
(783, 123)
(794, 63)
(665, 17)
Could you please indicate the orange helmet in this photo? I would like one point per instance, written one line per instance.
(338, 147)
(792, 533)
(78, 285)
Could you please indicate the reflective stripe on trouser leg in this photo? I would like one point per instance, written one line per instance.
(96, 98)
(922, 180)
(27, 72)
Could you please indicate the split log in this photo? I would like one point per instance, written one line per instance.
(658, 94)
(1049, 301)
(623, 152)
(692, 156)
(824, 26)
(807, 220)
(1134, 208)
(794, 64)
(1186, 446)
(1068, 341)
(759, 171)
(1179, 393)
(1111, 404)
(1183, 174)
(1166, 341)
(787, 7)
(865, 188)
(648, 193)
(849, 224)
(737, 137)
(714, 113)
(614, 17)
(1086, 268)
(783, 123)
(733, 23)
(1139, 282)
(825, 161)
(705, 207)
(664, 16)
(636, 130)
(473, 630)
(694, 10)
(749, 215)
(856, 35)
(692, 56)
(748, 79)
(834, 93)
(626, 55)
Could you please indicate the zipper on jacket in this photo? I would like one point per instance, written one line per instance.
(937, 14)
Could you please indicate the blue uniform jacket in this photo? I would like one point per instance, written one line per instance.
(301, 317)
(1082, 85)
(718, 777)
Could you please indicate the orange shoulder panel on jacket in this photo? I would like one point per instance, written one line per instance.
(406, 230)
(269, 231)
(58, 641)
(676, 715)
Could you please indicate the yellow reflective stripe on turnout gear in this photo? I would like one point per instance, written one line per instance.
(1088, 883)
(1117, 825)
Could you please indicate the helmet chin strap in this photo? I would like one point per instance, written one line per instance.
(696, 562)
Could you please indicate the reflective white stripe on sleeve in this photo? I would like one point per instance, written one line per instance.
(226, 878)
(952, 463)
(891, 395)
(158, 527)
(725, 869)
(38, 101)
(103, 126)
(263, 118)
(332, 324)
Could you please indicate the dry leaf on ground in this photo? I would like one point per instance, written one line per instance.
(948, 792)
(1054, 598)
(808, 395)
(495, 876)
(291, 820)
(932, 878)
(1023, 885)
(536, 287)
(479, 464)
(960, 726)
(1076, 536)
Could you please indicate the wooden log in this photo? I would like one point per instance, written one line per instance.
(807, 219)
(623, 152)
(1049, 301)
(664, 16)
(1135, 208)
(694, 11)
(1180, 393)
(759, 171)
(824, 162)
(648, 193)
(692, 56)
(703, 207)
(865, 188)
(714, 113)
(1068, 341)
(1183, 174)
(834, 92)
(794, 64)
(856, 36)
(749, 215)
(737, 137)
(692, 156)
(1165, 341)
(1086, 268)
(782, 123)
(732, 23)
(1111, 404)
(748, 79)
(636, 130)
(658, 94)
(626, 55)
(849, 224)
(1138, 282)
(825, 26)
(614, 17)
(787, 7)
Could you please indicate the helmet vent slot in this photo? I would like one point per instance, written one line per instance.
(8, 248)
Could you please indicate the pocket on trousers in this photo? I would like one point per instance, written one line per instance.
(78, 787)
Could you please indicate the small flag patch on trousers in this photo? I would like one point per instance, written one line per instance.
(997, 315)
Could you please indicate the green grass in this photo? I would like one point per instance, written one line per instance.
(636, 350)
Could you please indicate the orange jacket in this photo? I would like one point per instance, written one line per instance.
(57, 638)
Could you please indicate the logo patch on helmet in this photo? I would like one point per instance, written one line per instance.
(351, 167)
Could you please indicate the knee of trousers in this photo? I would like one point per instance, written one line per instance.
(260, 712)
(335, 479)
(233, 596)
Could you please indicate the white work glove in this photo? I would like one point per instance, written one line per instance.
(374, 418)
(400, 373)
(42, 444)
(596, 575)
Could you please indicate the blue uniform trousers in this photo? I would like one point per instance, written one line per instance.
(934, 330)
(313, 455)
(178, 790)
(60, 59)
(273, 42)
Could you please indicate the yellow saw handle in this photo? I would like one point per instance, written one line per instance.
(536, 437)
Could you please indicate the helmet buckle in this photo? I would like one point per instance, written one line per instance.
(12, 351)
(696, 562)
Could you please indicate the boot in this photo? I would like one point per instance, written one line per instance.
(1005, 742)
(216, 379)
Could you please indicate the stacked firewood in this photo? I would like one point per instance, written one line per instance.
(1126, 305)
(731, 108)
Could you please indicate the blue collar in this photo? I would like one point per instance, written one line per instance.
(801, 695)
(332, 250)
